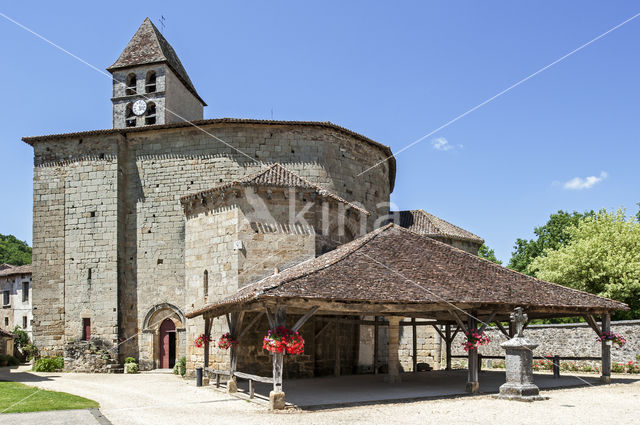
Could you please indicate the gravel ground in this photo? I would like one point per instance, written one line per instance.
(167, 399)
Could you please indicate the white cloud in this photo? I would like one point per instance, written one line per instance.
(442, 144)
(579, 183)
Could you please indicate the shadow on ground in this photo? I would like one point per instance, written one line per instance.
(23, 375)
(344, 391)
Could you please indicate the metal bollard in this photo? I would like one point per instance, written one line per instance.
(198, 377)
(556, 367)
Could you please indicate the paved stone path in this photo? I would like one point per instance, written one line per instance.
(55, 417)
(167, 399)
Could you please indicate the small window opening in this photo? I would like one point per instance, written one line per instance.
(25, 292)
(205, 282)
(5, 298)
(151, 82)
(160, 261)
(131, 84)
(86, 329)
(130, 117)
(24, 322)
(92, 214)
(89, 274)
(150, 117)
(6, 321)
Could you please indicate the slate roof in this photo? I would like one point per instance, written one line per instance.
(148, 46)
(392, 265)
(14, 270)
(422, 222)
(225, 121)
(274, 175)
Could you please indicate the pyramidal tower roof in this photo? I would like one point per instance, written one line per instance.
(148, 46)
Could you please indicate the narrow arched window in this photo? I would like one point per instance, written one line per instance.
(205, 283)
(150, 84)
(130, 117)
(132, 81)
(150, 115)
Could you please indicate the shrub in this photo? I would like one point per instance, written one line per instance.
(181, 366)
(49, 364)
(131, 367)
(31, 352)
(6, 360)
(130, 360)
(22, 338)
(617, 367)
(498, 364)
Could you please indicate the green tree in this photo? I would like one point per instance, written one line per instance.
(552, 235)
(602, 257)
(22, 338)
(14, 251)
(488, 254)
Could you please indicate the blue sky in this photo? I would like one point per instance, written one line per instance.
(392, 71)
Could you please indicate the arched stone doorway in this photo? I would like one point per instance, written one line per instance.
(163, 339)
(167, 344)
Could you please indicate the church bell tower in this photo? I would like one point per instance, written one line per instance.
(150, 85)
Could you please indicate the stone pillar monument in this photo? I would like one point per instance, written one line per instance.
(519, 364)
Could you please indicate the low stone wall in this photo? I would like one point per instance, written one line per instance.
(88, 356)
(572, 339)
(427, 344)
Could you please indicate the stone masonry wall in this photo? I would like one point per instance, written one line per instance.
(48, 255)
(180, 103)
(317, 360)
(74, 230)
(154, 169)
(212, 230)
(574, 340)
(91, 243)
(428, 346)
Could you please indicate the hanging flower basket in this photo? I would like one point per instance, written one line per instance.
(226, 341)
(612, 339)
(283, 340)
(200, 340)
(474, 340)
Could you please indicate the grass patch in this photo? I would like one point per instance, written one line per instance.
(38, 400)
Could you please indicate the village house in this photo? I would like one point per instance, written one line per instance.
(17, 294)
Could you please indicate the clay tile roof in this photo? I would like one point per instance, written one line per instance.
(422, 222)
(274, 175)
(148, 46)
(392, 265)
(14, 270)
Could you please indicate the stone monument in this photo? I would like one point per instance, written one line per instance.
(519, 364)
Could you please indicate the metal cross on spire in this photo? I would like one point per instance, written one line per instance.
(520, 318)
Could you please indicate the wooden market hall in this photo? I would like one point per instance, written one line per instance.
(409, 280)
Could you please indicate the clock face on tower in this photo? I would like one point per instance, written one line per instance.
(139, 107)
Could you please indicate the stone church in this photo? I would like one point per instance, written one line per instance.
(136, 225)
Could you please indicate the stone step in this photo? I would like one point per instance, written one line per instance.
(115, 368)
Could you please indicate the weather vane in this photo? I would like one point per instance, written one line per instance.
(162, 22)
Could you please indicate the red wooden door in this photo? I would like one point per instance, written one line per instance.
(86, 329)
(167, 331)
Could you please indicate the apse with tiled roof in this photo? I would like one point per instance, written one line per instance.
(421, 222)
